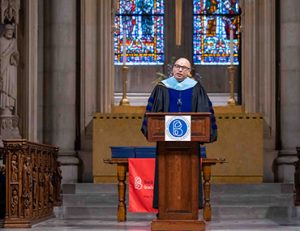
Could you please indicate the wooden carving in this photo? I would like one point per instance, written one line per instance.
(26, 186)
(32, 188)
(41, 188)
(297, 178)
(46, 192)
(14, 168)
(2, 185)
(14, 202)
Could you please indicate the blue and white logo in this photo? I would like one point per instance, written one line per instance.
(178, 128)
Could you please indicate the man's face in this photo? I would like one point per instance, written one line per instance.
(181, 69)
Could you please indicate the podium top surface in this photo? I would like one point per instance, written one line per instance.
(178, 113)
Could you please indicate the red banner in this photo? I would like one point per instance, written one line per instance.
(141, 182)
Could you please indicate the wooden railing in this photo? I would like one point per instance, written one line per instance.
(2, 186)
(32, 182)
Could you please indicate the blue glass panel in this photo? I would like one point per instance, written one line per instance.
(216, 7)
(142, 24)
(212, 21)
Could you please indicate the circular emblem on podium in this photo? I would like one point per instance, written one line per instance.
(177, 128)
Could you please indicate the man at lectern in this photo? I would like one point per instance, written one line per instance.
(179, 93)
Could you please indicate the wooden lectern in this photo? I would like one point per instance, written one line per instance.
(178, 172)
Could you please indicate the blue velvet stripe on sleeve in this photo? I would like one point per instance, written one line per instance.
(148, 109)
(150, 104)
(213, 119)
(150, 100)
(214, 126)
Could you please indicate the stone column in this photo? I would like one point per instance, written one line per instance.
(60, 83)
(97, 72)
(105, 60)
(258, 71)
(290, 92)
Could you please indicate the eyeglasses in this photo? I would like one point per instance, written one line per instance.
(184, 68)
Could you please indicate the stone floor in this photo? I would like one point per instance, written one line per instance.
(109, 225)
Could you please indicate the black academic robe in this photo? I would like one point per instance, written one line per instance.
(159, 102)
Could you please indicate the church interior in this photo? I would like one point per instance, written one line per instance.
(75, 78)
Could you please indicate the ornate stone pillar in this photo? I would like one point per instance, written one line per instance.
(9, 54)
(97, 71)
(258, 70)
(60, 83)
(290, 93)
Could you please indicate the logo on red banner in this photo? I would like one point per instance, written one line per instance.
(141, 182)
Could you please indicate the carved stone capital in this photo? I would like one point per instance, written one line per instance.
(9, 128)
(9, 11)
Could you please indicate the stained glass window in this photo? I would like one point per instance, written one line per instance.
(139, 25)
(212, 22)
